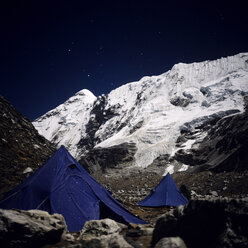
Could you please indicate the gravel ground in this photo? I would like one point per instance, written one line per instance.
(137, 184)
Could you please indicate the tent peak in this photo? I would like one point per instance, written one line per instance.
(165, 193)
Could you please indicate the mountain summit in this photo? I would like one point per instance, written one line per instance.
(142, 123)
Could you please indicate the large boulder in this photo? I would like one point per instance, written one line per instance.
(106, 241)
(217, 222)
(33, 228)
(173, 242)
(103, 233)
(101, 227)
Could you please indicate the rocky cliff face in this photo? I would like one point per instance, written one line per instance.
(154, 115)
(219, 145)
(20, 147)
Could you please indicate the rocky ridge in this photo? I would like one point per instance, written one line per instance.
(22, 149)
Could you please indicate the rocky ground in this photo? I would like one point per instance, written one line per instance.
(210, 222)
(137, 184)
(207, 189)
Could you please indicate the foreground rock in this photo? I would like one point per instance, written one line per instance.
(173, 242)
(207, 223)
(103, 234)
(101, 227)
(32, 228)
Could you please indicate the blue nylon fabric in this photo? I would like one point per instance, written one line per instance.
(62, 186)
(166, 193)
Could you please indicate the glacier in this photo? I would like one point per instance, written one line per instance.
(152, 112)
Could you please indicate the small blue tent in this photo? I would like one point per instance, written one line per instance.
(62, 186)
(165, 194)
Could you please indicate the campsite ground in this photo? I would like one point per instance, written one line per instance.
(137, 184)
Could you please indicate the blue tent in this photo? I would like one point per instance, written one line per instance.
(165, 194)
(62, 186)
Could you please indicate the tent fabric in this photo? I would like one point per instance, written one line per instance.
(166, 193)
(63, 186)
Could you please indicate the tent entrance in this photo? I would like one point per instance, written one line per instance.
(106, 212)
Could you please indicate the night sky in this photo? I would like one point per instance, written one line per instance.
(52, 49)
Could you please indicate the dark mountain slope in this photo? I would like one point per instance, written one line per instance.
(20, 146)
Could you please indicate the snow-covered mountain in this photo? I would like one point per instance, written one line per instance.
(146, 118)
(66, 124)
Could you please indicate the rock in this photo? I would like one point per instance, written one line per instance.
(68, 237)
(106, 241)
(103, 234)
(173, 242)
(139, 230)
(27, 170)
(101, 227)
(213, 222)
(71, 246)
(180, 101)
(192, 193)
(205, 104)
(33, 228)
(213, 193)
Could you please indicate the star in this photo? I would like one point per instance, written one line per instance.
(99, 51)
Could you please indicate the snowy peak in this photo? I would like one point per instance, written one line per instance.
(81, 97)
(84, 95)
(65, 124)
(150, 114)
